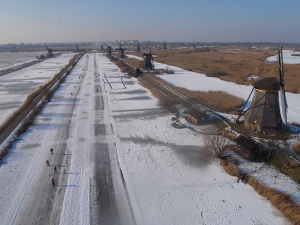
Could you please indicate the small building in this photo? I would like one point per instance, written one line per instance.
(247, 147)
(196, 116)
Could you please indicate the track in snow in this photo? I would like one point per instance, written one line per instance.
(80, 155)
(108, 205)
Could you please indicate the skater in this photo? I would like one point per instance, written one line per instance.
(51, 150)
(53, 182)
(47, 162)
(55, 171)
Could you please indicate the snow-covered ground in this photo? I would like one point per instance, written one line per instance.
(9, 59)
(16, 86)
(289, 57)
(169, 175)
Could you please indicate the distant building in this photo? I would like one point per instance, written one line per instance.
(130, 42)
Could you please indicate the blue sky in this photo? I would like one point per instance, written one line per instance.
(31, 21)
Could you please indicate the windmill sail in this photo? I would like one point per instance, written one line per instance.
(282, 98)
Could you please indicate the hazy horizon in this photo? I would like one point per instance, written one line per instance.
(171, 21)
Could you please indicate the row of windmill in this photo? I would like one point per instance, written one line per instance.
(146, 63)
(268, 110)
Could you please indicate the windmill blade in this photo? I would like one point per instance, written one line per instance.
(282, 98)
(280, 64)
(242, 112)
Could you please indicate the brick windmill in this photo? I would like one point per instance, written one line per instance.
(268, 110)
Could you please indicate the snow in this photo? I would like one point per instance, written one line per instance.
(170, 176)
(251, 77)
(289, 57)
(12, 59)
(16, 86)
(268, 175)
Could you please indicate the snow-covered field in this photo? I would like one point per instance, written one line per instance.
(170, 177)
(16, 86)
(289, 57)
(8, 59)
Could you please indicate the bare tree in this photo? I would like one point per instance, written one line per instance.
(217, 143)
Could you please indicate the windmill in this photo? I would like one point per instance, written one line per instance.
(138, 47)
(76, 47)
(121, 53)
(109, 50)
(267, 113)
(50, 52)
(165, 45)
(147, 62)
(148, 44)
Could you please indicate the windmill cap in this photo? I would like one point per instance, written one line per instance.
(267, 84)
(147, 54)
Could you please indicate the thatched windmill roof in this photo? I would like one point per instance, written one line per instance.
(267, 84)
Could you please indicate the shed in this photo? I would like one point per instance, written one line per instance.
(247, 147)
(196, 116)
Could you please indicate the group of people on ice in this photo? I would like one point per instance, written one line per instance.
(55, 169)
